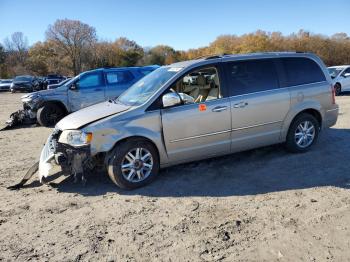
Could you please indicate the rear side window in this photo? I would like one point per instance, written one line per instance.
(301, 71)
(252, 76)
(119, 77)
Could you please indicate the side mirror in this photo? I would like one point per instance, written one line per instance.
(74, 86)
(186, 98)
(346, 74)
(171, 99)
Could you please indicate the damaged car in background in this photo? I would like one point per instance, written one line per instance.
(47, 107)
(238, 102)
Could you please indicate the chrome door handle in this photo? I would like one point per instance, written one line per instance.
(240, 105)
(219, 108)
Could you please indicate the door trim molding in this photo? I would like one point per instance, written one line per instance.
(263, 124)
(223, 132)
(199, 136)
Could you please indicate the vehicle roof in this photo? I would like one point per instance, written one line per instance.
(123, 68)
(339, 66)
(24, 76)
(232, 57)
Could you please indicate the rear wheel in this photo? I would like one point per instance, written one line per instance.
(49, 114)
(133, 164)
(303, 133)
(337, 89)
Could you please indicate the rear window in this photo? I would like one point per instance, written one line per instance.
(301, 71)
(252, 76)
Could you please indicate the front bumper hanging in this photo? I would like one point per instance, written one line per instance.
(71, 161)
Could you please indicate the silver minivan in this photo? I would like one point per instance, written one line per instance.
(238, 102)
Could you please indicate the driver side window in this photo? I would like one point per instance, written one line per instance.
(202, 85)
(90, 80)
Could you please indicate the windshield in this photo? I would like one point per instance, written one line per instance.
(334, 71)
(143, 89)
(23, 78)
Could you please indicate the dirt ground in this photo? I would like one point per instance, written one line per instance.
(261, 205)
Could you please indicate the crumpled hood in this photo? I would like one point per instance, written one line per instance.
(43, 93)
(90, 114)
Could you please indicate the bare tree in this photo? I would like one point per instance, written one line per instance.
(17, 42)
(73, 38)
(17, 46)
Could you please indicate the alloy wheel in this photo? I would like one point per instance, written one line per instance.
(137, 164)
(305, 134)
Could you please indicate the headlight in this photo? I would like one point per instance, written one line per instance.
(30, 98)
(75, 138)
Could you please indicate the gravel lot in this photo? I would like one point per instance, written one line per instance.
(261, 205)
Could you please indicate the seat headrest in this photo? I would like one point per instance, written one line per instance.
(216, 80)
(201, 80)
(179, 86)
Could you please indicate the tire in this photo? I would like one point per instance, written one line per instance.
(137, 171)
(298, 132)
(49, 115)
(337, 89)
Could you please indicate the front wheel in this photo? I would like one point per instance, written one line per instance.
(49, 115)
(337, 89)
(133, 164)
(303, 133)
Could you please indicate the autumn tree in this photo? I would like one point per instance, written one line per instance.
(3, 71)
(73, 39)
(128, 51)
(161, 55)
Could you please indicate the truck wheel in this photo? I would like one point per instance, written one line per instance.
(133, 164)
(303, 133)
(49, 115)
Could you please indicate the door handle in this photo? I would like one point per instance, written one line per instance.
(240, 105)
(219, 108)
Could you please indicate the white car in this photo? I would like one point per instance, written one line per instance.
(341, 78)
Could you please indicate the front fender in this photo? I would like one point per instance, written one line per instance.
(108, 133)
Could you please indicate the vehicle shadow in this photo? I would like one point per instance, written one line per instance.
(259, 171)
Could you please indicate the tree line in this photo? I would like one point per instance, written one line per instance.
(71, 47)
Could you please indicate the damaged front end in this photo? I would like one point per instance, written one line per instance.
(58, 156)
(27, 115)
(72, 160)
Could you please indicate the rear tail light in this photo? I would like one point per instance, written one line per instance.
(333, 94)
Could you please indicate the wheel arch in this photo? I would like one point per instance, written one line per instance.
(338, 83)
(109, 154)
(312, 109)
(57, 103)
